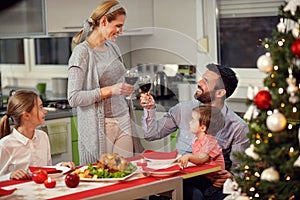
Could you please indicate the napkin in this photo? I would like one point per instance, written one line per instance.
(6, 192)
(49, 170)
(167, 169)
(160, 155)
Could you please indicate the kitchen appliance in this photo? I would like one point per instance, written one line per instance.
(62, 104)
(160, 85)
(59, 86)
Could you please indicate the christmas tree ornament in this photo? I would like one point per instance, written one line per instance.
(296, 32)
(264, 63)
(251, 113)
(250, 152)
(281, 26)
(276, 122)
(263, 99)
(296, 48)
(270, 174)
(251, 92)
(231, 188)
(292, 88)
(292, 6)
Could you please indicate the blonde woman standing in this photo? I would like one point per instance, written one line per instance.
(96, 85)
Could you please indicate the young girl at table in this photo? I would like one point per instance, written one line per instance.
(206, 122)
(24, 145)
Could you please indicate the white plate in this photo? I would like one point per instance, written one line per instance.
(56, 175)
(166, 173)
(104, 179)
(161, 161)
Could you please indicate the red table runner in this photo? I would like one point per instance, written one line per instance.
(185, 173)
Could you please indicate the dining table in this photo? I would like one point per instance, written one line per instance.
(138, 186)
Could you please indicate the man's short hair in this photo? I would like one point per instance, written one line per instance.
(228, 76)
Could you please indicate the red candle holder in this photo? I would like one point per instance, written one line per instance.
(50, 183)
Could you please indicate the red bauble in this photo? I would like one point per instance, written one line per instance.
(263, 99)
(72, 180)
(296, 48)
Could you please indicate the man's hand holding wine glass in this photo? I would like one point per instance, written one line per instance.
(146, 100)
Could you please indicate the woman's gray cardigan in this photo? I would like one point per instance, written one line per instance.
(84, 94)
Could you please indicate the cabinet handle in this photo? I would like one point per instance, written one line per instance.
(72, 27)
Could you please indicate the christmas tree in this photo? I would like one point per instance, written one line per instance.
(270, 166)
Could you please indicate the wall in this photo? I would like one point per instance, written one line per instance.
(173, 40)
(184, 33)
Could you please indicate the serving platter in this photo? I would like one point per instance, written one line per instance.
(105, 179)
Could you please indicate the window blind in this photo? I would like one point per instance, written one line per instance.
(248, 8)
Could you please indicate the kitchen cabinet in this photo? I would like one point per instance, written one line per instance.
(75, 153)
(23, 18)
(174, 40)
(69, 15)
(59, 133)
(164, 145)
(139, 17)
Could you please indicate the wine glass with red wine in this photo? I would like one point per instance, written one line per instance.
(131, 77)
(145, 83)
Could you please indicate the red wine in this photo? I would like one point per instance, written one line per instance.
(145, 87)
(131, 80)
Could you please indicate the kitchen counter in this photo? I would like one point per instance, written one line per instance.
(52, 114)
(60, 114)
(162, 105)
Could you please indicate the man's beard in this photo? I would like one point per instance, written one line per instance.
(204, 97)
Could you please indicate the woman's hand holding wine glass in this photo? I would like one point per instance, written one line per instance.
(131, 77)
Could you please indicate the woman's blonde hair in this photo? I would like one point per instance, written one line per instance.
(22, 101)
(94, 20)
